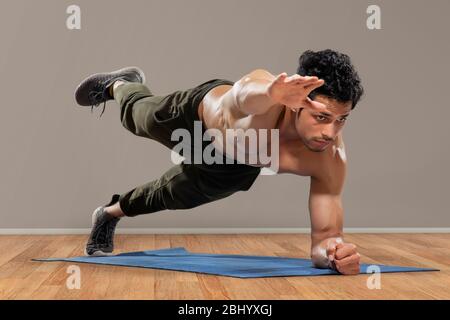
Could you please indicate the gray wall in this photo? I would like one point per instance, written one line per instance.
(59, 162)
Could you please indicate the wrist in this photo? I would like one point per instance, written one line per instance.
(319, 255)
(268, 93)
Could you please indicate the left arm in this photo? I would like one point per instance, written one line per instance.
(328, 249)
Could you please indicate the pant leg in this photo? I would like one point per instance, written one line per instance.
(183, 186)
(178, 188)
(153, 117)
(136, 102)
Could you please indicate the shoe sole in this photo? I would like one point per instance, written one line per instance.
(98, 253)
(104, 74)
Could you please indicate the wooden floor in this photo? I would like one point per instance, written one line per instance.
(21, 278)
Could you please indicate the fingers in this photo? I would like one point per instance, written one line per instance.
(299, 80)
(339, 245)
(280, 78)
(350, 260)
(315, 104)
(314, 85)
(349, 270)
(293, 78)
(343, 256)
(331, 250)
(348, 264)
(345, 250)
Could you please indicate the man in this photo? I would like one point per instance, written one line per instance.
(308, 108)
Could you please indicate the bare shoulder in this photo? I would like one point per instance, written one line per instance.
(223, 96)
(256, 75)
(233, 117)
(261, 74)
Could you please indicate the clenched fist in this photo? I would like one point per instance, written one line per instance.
(344, 257)
(333, 253)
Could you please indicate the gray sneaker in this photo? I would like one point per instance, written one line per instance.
(94, 90)
(101, 239)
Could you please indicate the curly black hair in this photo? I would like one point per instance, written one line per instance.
(342, 82)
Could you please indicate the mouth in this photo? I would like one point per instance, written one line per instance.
(321, 143)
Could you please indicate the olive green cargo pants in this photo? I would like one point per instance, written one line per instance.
(185, 185)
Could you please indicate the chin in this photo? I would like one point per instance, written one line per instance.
(315, 149)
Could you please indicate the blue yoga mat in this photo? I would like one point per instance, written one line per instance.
(240, 266)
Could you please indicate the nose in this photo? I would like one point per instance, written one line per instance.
(328, 134)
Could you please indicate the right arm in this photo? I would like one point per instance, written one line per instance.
(258, 91)
(250, 94)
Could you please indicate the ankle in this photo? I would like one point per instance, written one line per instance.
(113, 214)
(114, 87)
(114, 211)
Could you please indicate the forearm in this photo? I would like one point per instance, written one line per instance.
(326, 211)
(251, 96)
(318, 237)
(326, 227)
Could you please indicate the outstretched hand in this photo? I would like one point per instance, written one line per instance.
(293, 91)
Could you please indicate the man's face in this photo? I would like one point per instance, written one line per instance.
(317, 126)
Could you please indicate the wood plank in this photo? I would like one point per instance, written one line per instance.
(21, 278)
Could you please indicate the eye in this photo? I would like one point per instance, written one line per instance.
(322, 118)
(342, 120)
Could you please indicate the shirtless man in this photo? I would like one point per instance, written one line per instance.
(308, 108)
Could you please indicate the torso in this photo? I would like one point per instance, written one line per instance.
(294, 156)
